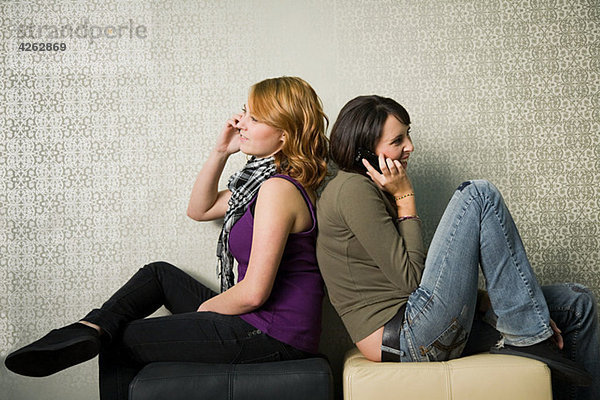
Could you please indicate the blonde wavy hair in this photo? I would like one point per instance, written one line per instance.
(291, 105)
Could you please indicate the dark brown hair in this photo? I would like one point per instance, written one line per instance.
(360, 124)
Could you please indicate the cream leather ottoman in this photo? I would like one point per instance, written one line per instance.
(481, 376)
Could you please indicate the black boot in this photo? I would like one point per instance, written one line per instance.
(547, 352)
(59, 349)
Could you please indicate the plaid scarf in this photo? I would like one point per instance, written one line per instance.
(244, 185)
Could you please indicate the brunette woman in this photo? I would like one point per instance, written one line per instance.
(398, 305)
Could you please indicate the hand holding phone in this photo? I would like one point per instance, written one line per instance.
(368, 155)
(394, 180)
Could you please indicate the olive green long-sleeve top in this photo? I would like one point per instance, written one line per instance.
(370, 262)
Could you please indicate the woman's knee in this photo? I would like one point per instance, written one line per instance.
(161, 268)
(478, 186)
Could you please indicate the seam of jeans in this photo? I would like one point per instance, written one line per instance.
(105, 323)
(572, 356)
(128, 293)
(459, 219)
(577, 327)
(411, 346)
(235, 358)
(576, 331)
(453, 234)
(491, 203)
(154, 343)
(559, 309)
(283, 350)
(144, 321)
(150, 279)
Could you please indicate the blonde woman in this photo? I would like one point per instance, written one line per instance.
(273, 312)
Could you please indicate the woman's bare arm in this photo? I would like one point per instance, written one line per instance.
(206, 201)
(278, 209)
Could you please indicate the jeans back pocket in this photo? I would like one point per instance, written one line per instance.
(448, 345)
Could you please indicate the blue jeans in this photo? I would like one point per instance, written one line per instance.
(478, 230)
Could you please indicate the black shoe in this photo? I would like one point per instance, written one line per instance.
(59, 349)
(547, 352)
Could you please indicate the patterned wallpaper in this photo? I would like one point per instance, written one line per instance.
(100, 141)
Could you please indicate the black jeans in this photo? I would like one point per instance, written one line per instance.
(132, 341)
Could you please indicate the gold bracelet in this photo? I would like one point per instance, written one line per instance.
(404, 196)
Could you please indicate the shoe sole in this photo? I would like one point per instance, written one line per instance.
(51, 359)
(561, 371)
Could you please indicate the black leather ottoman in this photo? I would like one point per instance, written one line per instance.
(288, 380)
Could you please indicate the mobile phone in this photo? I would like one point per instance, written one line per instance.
(367, 155)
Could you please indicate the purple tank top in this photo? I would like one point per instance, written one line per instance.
(292, 314)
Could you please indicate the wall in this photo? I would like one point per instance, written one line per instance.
(100, 143)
